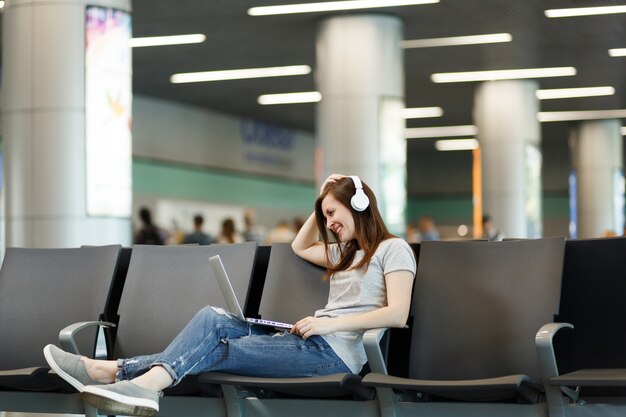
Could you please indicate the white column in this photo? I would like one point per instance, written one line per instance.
(360, 126)
(505, 113)
(597, 160)
(43, 119)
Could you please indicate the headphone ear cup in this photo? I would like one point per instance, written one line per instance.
(359, 200)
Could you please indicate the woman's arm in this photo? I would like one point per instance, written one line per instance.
(399, 289)
(307, 245)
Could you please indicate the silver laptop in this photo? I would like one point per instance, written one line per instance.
(232, 304)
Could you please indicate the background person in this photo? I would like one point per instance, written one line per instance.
(252, 232)
(148, 233)
(198, 236)
(490, 232)
(228, 233)
(281, 233)
(297, 224)
(412, 233)
(427, 228)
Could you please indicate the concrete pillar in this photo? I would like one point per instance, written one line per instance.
(360, 127)
(505, 113)
(49, 176)
(596, 148)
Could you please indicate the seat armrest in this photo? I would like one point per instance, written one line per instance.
(545, 347)
(66, 336)
(371, 342)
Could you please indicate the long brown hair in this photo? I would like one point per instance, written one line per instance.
(228, 230)
(370, 229)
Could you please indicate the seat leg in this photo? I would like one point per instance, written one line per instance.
(234, 401)
(90, 410)
(387, 402)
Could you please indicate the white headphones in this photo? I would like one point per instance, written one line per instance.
(359, 200)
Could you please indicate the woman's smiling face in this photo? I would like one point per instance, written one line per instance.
(338, 218)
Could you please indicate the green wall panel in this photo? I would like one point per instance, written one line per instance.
(187, 182)
(460, 209)
(555, 206)
(183, 182)
(442, 209)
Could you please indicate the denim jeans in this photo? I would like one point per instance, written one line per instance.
(217, 341)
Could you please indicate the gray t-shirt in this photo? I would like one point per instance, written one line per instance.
(358, 291)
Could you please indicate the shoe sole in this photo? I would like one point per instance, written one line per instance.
(67, 377)
(119, 404)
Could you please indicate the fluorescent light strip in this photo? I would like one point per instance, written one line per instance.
(240, 74)
(617, 52)
(422, 112)
(564, 116)
(290, 98)
(457, 40)
(512, 74)
(332, 6)
(574, 92)
(456, 144)
(584, 11)
(166, 40)
(440, 131)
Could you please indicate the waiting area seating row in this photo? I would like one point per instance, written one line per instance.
(489, 331)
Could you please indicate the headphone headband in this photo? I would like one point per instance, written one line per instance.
(357, 181)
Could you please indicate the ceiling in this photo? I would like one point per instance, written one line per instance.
(236, 40)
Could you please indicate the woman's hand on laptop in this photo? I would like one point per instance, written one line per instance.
(310, 326)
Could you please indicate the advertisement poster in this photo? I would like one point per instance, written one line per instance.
(108, 70)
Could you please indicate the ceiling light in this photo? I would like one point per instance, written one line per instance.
(623, 130)
(585, 11)
(456, 144)
(563, 116)
(332, 6)
(290, 98)
(617, 52)
(239, 74)
(574, 92)
(166, 40)
(457, 40)
(512, 74)
(1, 5)
(440, 131)
(422, 112)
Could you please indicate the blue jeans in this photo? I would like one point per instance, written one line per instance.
(217, 341)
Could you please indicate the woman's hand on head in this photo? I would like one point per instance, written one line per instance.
(331, 179)
(310, 326)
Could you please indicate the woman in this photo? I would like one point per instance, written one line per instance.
(229, 234)
(371, 275)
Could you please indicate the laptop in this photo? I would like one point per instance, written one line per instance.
(232, 304)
